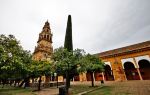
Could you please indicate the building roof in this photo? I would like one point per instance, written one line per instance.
(126, 50)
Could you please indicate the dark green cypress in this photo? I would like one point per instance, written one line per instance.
(69, 46)
(68, 38)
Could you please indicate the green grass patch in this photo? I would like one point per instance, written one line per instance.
(106, 90)
(8, 90)
(75, 89)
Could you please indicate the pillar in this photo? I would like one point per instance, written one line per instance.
(73, 79)
(103, 76)
(82, 77)
(139, 73)
(137, 68)
(125, 75)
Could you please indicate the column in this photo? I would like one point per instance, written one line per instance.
(137, 68)
(73, 79)
(103, 76)
(125, 74)
(80, 77)
(84, 76)
(139, 73)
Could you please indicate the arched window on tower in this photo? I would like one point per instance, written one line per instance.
(51, 39)
(47, 37)
(44, 36)
(40, 37)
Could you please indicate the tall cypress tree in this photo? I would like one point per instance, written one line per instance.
(68, 38)
(69, 46)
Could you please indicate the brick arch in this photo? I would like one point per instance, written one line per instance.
(108, 63)
(123, 61)
(144, 67)
(147, 63)
(130, 71)
(128, 65)
(145, 57)
(108, 72)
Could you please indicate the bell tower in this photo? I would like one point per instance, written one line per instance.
(44, 49)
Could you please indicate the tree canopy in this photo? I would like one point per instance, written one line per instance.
(92, 63)
(16, 64)
(66, 60)
(76, 62)
(13, 59)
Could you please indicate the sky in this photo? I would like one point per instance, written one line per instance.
(97, 25)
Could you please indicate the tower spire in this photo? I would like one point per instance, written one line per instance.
(44, 43)
(46, 33)
(46, 26)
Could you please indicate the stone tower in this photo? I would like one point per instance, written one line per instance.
(44, 48)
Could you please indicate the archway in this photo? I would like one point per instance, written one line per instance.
(98, 76)
(88, 76)
(144, 66)
(130, 71)
(77, 78)
(108, 73)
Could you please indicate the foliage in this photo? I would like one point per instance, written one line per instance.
(40, 68)
(13, 59)
(16, 64)
(92, 63)
(66, 60)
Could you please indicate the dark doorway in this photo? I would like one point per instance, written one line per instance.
(130, 71)
(144, 66)
(88, 76)
(98, 76)
(108, 73)
(76, 78)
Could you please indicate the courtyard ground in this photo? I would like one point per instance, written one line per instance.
(135, 87)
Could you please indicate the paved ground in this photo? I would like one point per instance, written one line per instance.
(130, 87)
(126, 87)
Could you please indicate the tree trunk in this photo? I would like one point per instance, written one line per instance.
(92, 79)
(32, 80)
(22, 83)
(39, 84)
(67, 82)
(27, 82)
(15, 84)
(3, 82)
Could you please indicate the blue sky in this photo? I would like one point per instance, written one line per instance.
(98, 25)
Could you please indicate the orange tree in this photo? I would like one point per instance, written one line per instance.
(13, 60)
(92, 63)
(67, 62)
